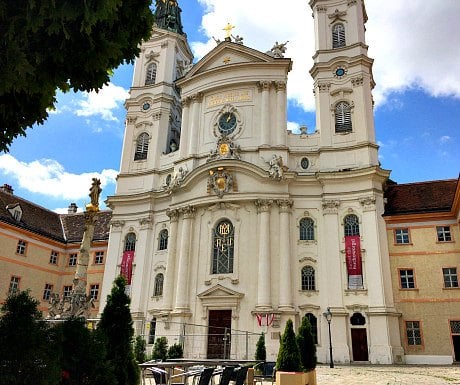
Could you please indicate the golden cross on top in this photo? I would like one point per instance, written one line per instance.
(228, 29)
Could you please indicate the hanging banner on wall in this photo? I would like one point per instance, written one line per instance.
(353, 258)
(127, 265)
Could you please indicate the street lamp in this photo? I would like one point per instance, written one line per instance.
(328, 316)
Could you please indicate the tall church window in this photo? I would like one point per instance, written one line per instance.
(130, 242)
(343, 117)
(314, 326)
(307, 229)
(151, 74)
(308, 278)
(158, 287)
(163, 240)
(142, 146)
(338, 36)
(351, 224)
(223, 247)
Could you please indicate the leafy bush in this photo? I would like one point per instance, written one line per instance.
(160, 349)
(288, 354)
(175, 351)
(306, 345)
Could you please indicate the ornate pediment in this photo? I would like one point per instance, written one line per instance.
(219, 292)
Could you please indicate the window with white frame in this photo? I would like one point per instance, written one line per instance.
(73, 259)
(407, 278)
(14, 284)
(54, 257)
(163, 240)
(158, 286)
(151, 74)
(47, 291)
(413, 332)
(94, 291)
(338, 36)
(308, 278)
(351, 225)
(99, 258)
(444, 234)
(307, 229)
(450, 277)
(402, 236)
(223, 248)
(343, 118)
(142, 146)
(67, 291)
(21, 247)
(130, 242)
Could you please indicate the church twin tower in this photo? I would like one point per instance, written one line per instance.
(225, 224)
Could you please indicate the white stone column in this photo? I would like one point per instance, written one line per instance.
(265, 113)
(264, 275)
(281, 116)
(285, 277)
(168, 291)
(185, 130)
(195, 122)
(182, 303)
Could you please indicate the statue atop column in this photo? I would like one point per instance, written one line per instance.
(167, 16)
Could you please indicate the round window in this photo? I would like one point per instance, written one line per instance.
(304, 163)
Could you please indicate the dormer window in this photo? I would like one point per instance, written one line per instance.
(15, 211)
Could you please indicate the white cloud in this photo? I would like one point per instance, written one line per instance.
(49, 178)
(102, 103)
(445, 139)
(413, 42)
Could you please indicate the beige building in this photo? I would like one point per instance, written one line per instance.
(424, 242)
(39, 248)
(226, 223)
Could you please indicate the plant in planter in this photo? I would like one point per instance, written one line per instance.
(288, 365)
(307, 348)
(175, 351)
(261, 354)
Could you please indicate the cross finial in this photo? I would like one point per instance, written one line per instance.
(228, 29)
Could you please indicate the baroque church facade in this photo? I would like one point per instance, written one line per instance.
(225, 221)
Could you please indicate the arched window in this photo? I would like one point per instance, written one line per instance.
(223, 248)
(130, 242)
(314, 326)
(158, 287)
(142, 146)
(357, 319)
(343, 117)
(151, 74)
(308, 278)
(163, 240)
(351, 224)
(338, 36)
(307, 229)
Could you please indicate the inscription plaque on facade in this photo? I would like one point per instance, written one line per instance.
(229, 97)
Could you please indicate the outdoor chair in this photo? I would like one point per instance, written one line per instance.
(267, 372)
(205, 376)
(241, 374)
(226, 374)
(159, 375)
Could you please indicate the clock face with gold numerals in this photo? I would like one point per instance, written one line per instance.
(227, 123)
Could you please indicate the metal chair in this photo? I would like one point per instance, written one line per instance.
(159, 375)
(241, 374)
(226, 374)
(268, 372)
(205, 376)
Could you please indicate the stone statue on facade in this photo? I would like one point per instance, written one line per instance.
(238, 39)
(278, 50)
(276, 168)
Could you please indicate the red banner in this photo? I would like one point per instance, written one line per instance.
(353, 257)
(127, 265)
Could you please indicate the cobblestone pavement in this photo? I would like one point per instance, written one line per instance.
(388, 375)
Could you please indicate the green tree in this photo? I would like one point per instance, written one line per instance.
(160, 349)
(84, 355)
(288, 354)
(29, 353)
(49, 45)
(116, 326)
(306, 345)
(139, 349)
(175, 351)
(261, 351)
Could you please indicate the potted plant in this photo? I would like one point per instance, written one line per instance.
(307, 349)
(288, 365)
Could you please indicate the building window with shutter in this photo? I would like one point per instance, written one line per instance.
(343, 118)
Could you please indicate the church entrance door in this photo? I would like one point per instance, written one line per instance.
(219, 334)
(359, 343)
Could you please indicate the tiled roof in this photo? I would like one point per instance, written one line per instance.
(421, 197)
(61, 227)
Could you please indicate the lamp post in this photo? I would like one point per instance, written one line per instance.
(328, 316)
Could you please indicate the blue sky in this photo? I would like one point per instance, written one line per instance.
(417, 112)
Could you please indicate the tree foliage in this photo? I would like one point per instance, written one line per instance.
(49, 45)
(139, 349)
(116, 325)
(261, 350)
(288, 354)
(306, 345)
(175, 351)
(160, 349)
(29, 352)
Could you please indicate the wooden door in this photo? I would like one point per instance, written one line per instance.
(219, 334)
(359, 345)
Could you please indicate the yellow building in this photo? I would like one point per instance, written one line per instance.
(39, 248)
(424, 243)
